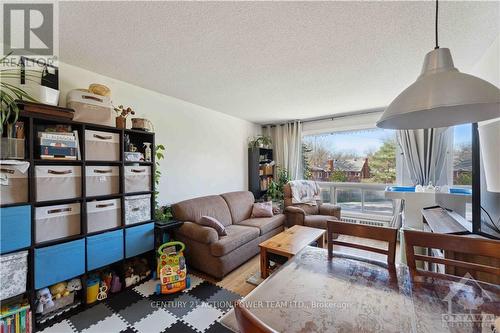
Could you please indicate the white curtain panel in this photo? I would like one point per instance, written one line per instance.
(426, 153)
(287, 145)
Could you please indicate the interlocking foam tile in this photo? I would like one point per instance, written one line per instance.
(194, 281)
(86, 318)
(217, 327)
(123, 299)
(201, 317)
(179, 327)
(111, 324)
(204, 290)
(147, 288)
(223, 299)
(155, 322)
(61, 327)
(181, 305)
(137, 311)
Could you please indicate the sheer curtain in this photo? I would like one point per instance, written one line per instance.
(426, 154)
(287, 144)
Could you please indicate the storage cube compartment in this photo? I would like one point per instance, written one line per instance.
(12, 148)
(13, 182)
(104, 249)
(54, 222)
(14, 269)
(139, 239)
(137, 178)
(102, 146)
(59, 262)
(15, 228)
(102, 180)
(137, 208)
(104, 214)
(58, 182)
(91, 108)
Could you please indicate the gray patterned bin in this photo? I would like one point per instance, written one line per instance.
(14, 269)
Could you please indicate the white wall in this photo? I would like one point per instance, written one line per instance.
(206, 151)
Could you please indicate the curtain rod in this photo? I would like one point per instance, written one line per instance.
(331, 117)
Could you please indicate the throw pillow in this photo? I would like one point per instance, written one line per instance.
(211, 222)
(262, 209)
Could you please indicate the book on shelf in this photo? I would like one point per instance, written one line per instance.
(59, 142)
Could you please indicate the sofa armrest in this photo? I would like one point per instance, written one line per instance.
(199, 233)
(294, 216)
(329, 209)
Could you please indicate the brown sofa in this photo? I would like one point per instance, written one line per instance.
(214, 255)
(309, 216)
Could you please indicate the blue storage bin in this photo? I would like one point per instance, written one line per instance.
(139, 239)
(104, 249)
(15, 228)
(59, 262)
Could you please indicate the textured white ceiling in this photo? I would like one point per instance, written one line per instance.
(271, 61)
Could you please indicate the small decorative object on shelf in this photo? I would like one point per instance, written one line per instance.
(147, 151)
(123, 113)
(142, 124)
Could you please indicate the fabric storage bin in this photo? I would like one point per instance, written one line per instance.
(58, 182)
(13, 182)
(59, 262)
(102, 146)
(104, 249)
(137, 208)
(13, 274)
(139, 239)
(90, 108)
(137, 178)
(105, 214)
(53, 222)
(102, 180)
(15, 228)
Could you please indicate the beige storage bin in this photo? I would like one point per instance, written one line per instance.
(54, 222)
(137, 208)
(137, 178)
(58, 182)
(102, 180)
(104, 214)
(13, 182)
(102, 146)
(91, 108)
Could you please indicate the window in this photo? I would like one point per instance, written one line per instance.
(367, 156)
(462, 155)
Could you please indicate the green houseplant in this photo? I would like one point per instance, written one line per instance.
(9, 93)
(275, 191)
(162, 213)
(260, 141)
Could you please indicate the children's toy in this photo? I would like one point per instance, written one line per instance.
(103, 292)
(43, 300)
(171, 268)
(92, 289)
(141, 268)
(116, 284)
(58, 290)
(74, 285)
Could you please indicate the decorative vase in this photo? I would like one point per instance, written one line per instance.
(121, 122)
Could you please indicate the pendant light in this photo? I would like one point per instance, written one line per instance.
(442, 96)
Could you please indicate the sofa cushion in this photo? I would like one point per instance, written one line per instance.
(211, 222)
(240, 204)
(193, 209)
(262, 209)
(265, 224)
(237, 235)
(317, 221)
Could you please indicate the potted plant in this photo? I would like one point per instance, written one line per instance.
(260, 141)
(122, 114)
(10, 94)
(275, 191)
(162, 213)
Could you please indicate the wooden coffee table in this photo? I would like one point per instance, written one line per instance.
(288, 243)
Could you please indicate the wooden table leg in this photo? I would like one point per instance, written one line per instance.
(321, 241)
(263, 263)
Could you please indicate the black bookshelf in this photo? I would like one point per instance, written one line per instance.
(33, 122)
(259, 176)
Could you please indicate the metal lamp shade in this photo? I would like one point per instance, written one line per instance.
(441, 97)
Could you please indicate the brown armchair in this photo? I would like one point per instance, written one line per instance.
(309, 216)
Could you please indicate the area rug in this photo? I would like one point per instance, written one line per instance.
(140, 310)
